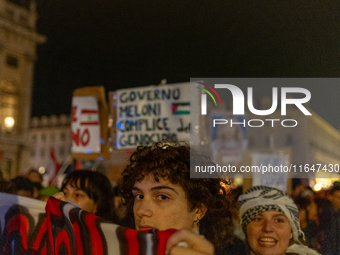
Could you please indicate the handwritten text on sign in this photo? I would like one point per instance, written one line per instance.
(85, 125)
(149, 114)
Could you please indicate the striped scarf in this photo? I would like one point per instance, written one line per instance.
(64, 228)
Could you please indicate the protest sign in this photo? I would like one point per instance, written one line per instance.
(149, 114)
(89, 124)
(85, 125)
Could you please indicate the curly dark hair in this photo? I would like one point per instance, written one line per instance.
(172, 162)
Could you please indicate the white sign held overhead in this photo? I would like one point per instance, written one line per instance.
(150, 114)
(85, 125)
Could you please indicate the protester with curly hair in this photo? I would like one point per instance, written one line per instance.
(157, 186)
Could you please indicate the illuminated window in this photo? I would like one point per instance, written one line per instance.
(9, 100)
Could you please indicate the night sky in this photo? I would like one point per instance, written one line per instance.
(121, 44)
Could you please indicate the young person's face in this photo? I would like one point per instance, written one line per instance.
(162, 205)
(269, 233)
(79, 197)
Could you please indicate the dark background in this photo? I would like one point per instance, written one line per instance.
(123, 43)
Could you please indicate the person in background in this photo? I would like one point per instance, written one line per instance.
(34, 176)
(312, 210)
(121, 215)
(308, 226)
(36, 188)
(91, 190)
(334, 198)
(7, 187)
(157, 186)
(270, 220)
(23, 186)
(327, 231)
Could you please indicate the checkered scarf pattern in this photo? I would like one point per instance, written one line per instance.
(261, 199)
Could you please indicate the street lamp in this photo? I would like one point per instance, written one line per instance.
(9, 123)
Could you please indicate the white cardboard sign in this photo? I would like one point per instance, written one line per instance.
(85, 125)
(146, 115)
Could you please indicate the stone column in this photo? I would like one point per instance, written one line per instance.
(25, 111)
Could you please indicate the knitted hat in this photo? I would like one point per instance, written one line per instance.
(261, 199)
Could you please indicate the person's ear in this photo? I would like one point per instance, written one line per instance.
(201, 211)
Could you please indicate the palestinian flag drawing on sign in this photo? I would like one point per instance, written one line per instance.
(181, 108)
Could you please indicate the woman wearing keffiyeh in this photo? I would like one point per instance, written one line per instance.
(270, 221)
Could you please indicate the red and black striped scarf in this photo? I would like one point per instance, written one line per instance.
(67, 229)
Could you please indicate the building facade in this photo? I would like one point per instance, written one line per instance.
(18, 42)
(312, 141)
(312, 144)
(50, 140)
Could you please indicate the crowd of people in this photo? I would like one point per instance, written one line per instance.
(156, 191)
(319, 215)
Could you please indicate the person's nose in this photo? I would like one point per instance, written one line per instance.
(267, 226)
(144, 208)
(70, 197)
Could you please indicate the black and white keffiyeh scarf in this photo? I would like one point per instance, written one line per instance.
(259, 199)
